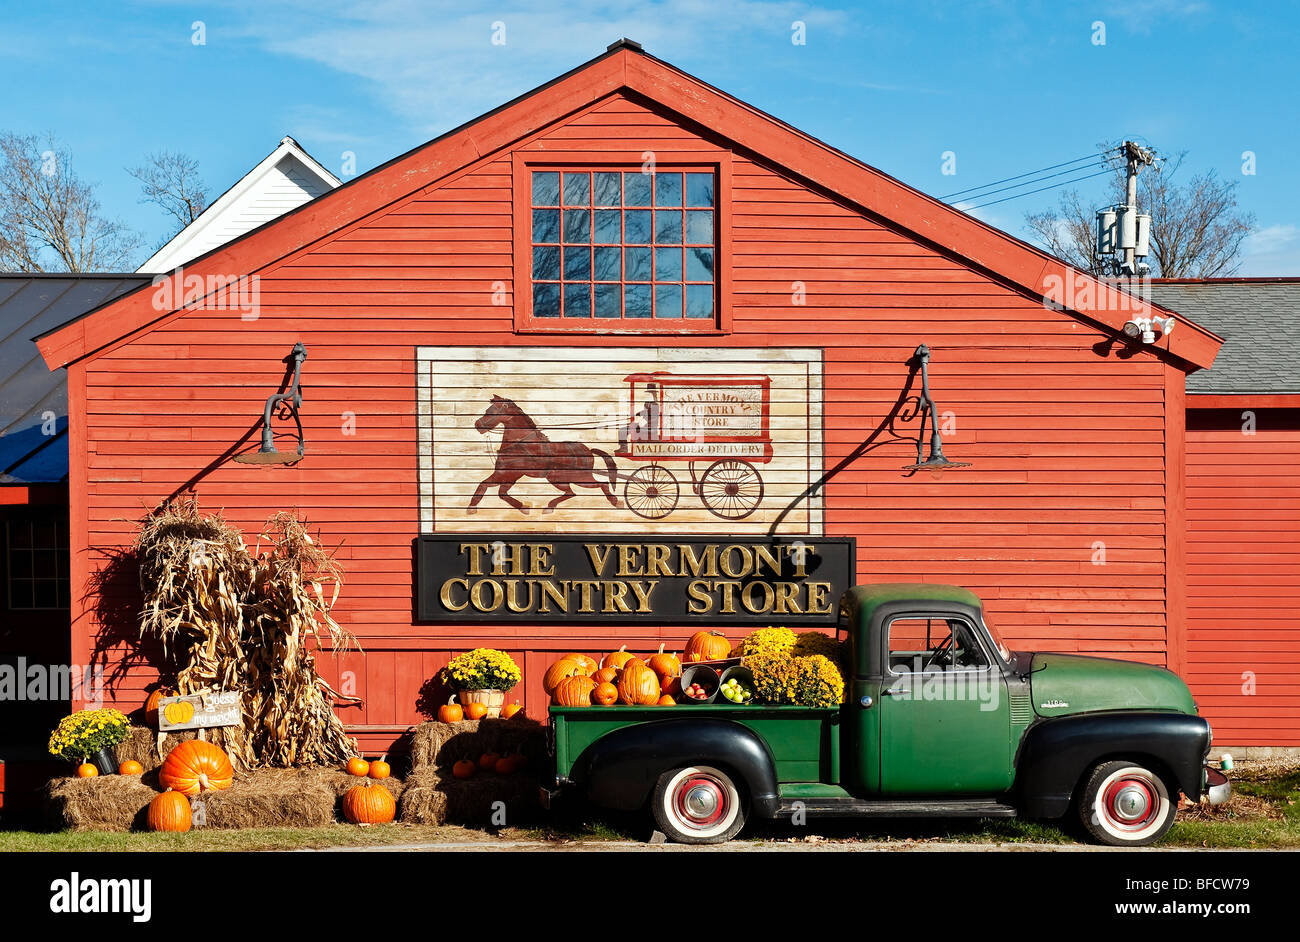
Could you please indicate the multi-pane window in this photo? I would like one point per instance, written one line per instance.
(624, 245)
(36, 563)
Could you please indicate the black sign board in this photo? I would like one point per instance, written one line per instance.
(620, 579)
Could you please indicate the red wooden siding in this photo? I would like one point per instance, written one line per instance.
(1243, 573)
(1068, 441)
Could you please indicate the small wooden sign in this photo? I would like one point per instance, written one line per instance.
(199, 711)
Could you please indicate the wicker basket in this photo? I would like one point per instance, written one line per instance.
(494, 700)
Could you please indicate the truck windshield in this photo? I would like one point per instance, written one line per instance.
(997, 641)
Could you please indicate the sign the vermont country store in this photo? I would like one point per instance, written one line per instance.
(603, 578)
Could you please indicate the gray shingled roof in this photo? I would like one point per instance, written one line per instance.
(32, 449)
(1260, 321)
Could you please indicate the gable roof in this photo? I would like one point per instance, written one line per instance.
(1259, 319)
(34, 399)
(283, 180)
(624, 68)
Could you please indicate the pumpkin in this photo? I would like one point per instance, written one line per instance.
(616, 659)
(508, 765)
(450, 713)
(196, 766)
(666, 700)
(606, 675)
(476, 710)
(667, 666)
(151, 705)
(586, 661)
(488, 761)
(671, 687)
(178, 712)
(605, 694)
(86, 770)
(560, 670)
(130, 767)
(707, 646)
(510, 709)
(464, 768)
(379, 768)
(573, 692)
(358, 766)
(370, 803)
(170, 811)
(637, 684)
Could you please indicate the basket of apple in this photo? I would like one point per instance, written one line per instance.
(699, 684)
(737, 686)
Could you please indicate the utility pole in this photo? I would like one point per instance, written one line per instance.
(1135, 156)
(1124, 236)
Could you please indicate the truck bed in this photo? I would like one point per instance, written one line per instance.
(805, 741)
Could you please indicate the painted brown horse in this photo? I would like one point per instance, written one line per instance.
(526, 452)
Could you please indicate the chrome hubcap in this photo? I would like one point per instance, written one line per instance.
(700, 802)
(1131, 803)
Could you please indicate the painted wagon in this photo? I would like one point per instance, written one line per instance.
(718, 422)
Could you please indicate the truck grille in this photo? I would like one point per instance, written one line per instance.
(1022, 710)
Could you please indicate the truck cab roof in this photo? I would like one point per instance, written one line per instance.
(867, 598)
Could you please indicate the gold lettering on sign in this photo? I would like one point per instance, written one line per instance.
(475, 557)
(476, 595)
(700, 601)
(763, 554)
(585, 587)
(787, 602)
(542, 565)
(746, 559)
(615, 598)
(642, 592)
(445, 595)
(552, 592)
(819, 598)
(709, 564)
(628, 564)
(597, 557)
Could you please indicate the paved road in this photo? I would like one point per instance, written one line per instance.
(770, 847)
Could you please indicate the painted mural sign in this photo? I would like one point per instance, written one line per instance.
(199, 711)
(661, 440)
(670, 580)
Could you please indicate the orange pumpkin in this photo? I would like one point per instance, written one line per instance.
(476, 710)
(606, 675)
(358, 766)
(507, 765)
(707, 646)
(130, 767)
(637, 684)
(170, 811)
(86, 770)
(671, 687)
(667, 666)
(196, 766)
(616, 659)
(370, 803)
(560, 670)
(587, 662)
(151, 706)
(450, 713)
(510, 709)
(573, 692)
(488, 761)
(380, 768)
(666, 700)
(464, 768)
(605, 694)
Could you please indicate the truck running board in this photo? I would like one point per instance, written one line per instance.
(915, 808)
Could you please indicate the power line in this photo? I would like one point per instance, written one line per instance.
(1050, 186)
(1016, 186)
(1030, 173)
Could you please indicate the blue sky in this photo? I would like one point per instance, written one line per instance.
(1006, 87)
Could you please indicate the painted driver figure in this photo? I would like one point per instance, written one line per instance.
(645, 424)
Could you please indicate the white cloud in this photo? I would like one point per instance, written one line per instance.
(434, 64)
(1272, 250)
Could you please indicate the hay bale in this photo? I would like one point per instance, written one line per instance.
(271, 798)
(432, 798)
(340, 781)
(103, 803)
(141, 744)
(441, 744)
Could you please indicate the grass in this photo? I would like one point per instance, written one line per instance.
(1264, 813)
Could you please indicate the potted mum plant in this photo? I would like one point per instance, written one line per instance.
(90, 736)
(482, 676)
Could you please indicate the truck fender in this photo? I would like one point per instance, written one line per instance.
(1057, 752)
(620, 769)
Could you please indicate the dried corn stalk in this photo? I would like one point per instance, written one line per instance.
(233, 619)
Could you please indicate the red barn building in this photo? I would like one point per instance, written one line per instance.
(623, 249)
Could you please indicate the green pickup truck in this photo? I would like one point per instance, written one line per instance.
(939, 719)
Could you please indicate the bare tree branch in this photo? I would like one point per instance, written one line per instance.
(172, 183)
(1196, 227)
(49, 218)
